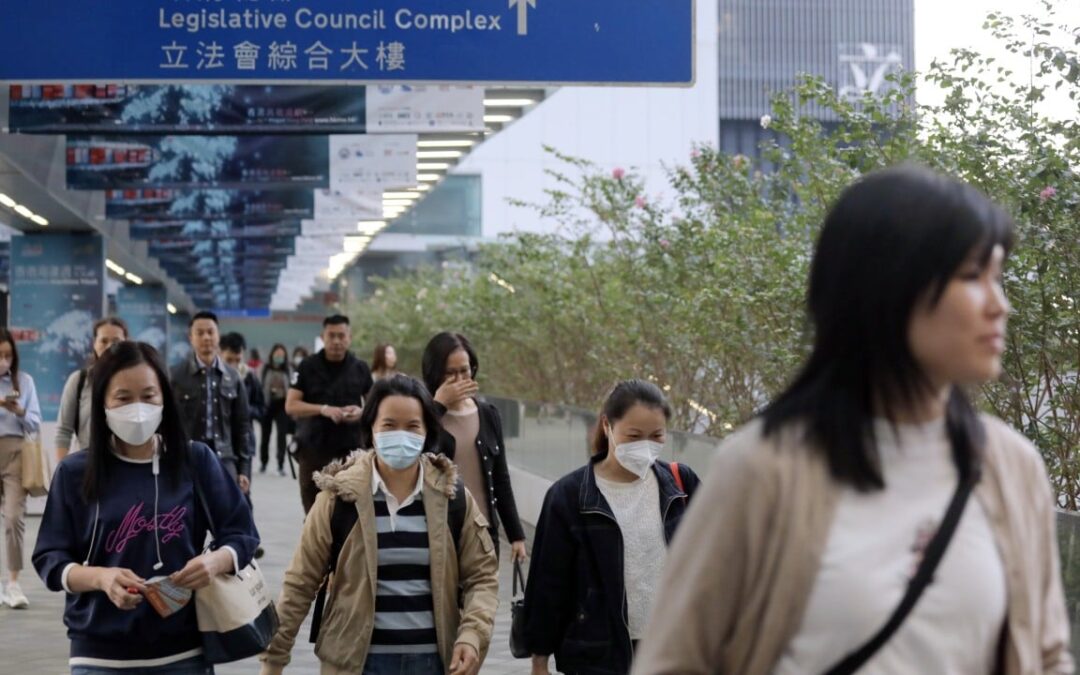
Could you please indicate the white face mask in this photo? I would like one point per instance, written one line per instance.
(134, 423)
(638, 457)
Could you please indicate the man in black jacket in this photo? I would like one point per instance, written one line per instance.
(212, 399)
(326, 398)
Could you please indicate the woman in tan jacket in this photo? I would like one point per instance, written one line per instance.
(411, 549)
(807, 548)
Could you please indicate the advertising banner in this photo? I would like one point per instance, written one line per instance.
(164, 204)
(343, 162)
(110, 162)
(226, 109)
(211, 229)
(57, 292)
(356, 202)
(411, 108)
(179, 344)
(143, 308)
(372, 162)
(182, 109)
(325, 228)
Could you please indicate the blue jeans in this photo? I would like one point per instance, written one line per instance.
(196, 665)
(403, 664)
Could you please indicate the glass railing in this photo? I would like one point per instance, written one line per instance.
(551, 440)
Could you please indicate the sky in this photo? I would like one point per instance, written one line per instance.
(941, 25)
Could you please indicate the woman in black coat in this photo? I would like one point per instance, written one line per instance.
(449, 368)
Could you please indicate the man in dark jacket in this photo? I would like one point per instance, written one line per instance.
(326, 398)
(212, 400)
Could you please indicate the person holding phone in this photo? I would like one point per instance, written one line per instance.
(20, 415)
(326, 399)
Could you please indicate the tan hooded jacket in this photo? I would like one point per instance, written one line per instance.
(349, 615)
(744, 560)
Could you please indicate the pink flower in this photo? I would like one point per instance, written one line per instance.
(618, 174)
(1047, 193)
(695, 153)
(665, 244)
(639, 202)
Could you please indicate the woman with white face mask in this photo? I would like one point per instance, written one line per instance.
(414, 584)
(602, 539)
(126, 513)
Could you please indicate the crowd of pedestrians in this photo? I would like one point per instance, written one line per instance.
(869, 519)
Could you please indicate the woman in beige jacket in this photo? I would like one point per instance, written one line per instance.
(815, 518)
(416, 581)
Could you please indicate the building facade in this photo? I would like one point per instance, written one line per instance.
(765, 45)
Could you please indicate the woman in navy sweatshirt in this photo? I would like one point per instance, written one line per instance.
(127, 511)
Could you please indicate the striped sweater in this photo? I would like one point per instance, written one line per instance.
(404, 607)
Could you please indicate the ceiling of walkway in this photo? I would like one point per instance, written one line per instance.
(240, 198)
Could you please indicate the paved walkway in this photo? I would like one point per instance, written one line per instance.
(33, 641)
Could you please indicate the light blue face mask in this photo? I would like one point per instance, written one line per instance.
(399, 449)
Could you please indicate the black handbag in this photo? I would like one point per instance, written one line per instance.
(517, 615)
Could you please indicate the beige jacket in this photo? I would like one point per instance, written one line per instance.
(349, 615)
(742, 565)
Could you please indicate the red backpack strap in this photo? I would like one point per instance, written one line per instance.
(677, 475)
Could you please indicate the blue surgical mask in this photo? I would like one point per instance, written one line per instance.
(399, 449)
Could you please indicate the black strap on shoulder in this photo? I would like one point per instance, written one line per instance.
(935, 551)
(78, 405)
(342, 522)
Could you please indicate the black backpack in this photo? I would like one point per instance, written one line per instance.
(341, 524)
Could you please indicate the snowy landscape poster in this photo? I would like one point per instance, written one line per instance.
(143, 308)
(57, 292)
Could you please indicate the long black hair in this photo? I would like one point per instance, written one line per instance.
(400, 385)
(624, 396)
(892, 240)
(438, 350)
(6, 336)
(121, 356)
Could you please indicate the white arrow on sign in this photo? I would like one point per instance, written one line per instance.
(523, 14)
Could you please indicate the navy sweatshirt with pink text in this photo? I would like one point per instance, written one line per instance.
(123, 534)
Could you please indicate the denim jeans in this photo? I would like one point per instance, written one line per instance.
(197, 665)
(403, 664)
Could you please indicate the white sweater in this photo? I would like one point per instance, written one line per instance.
(637, 510)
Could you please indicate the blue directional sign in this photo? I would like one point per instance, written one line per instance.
(349, 41)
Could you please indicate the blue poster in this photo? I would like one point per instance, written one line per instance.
(179, 345)
(178, 109)
(143, 308)
(164, 204)
(211, 229)
(337, 41)
(57, 292)
(111, 162)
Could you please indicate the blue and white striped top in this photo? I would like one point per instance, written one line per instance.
(404, 607)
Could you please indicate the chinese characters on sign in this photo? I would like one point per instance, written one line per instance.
(285, 56)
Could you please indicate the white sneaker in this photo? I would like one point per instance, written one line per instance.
(15, 596)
